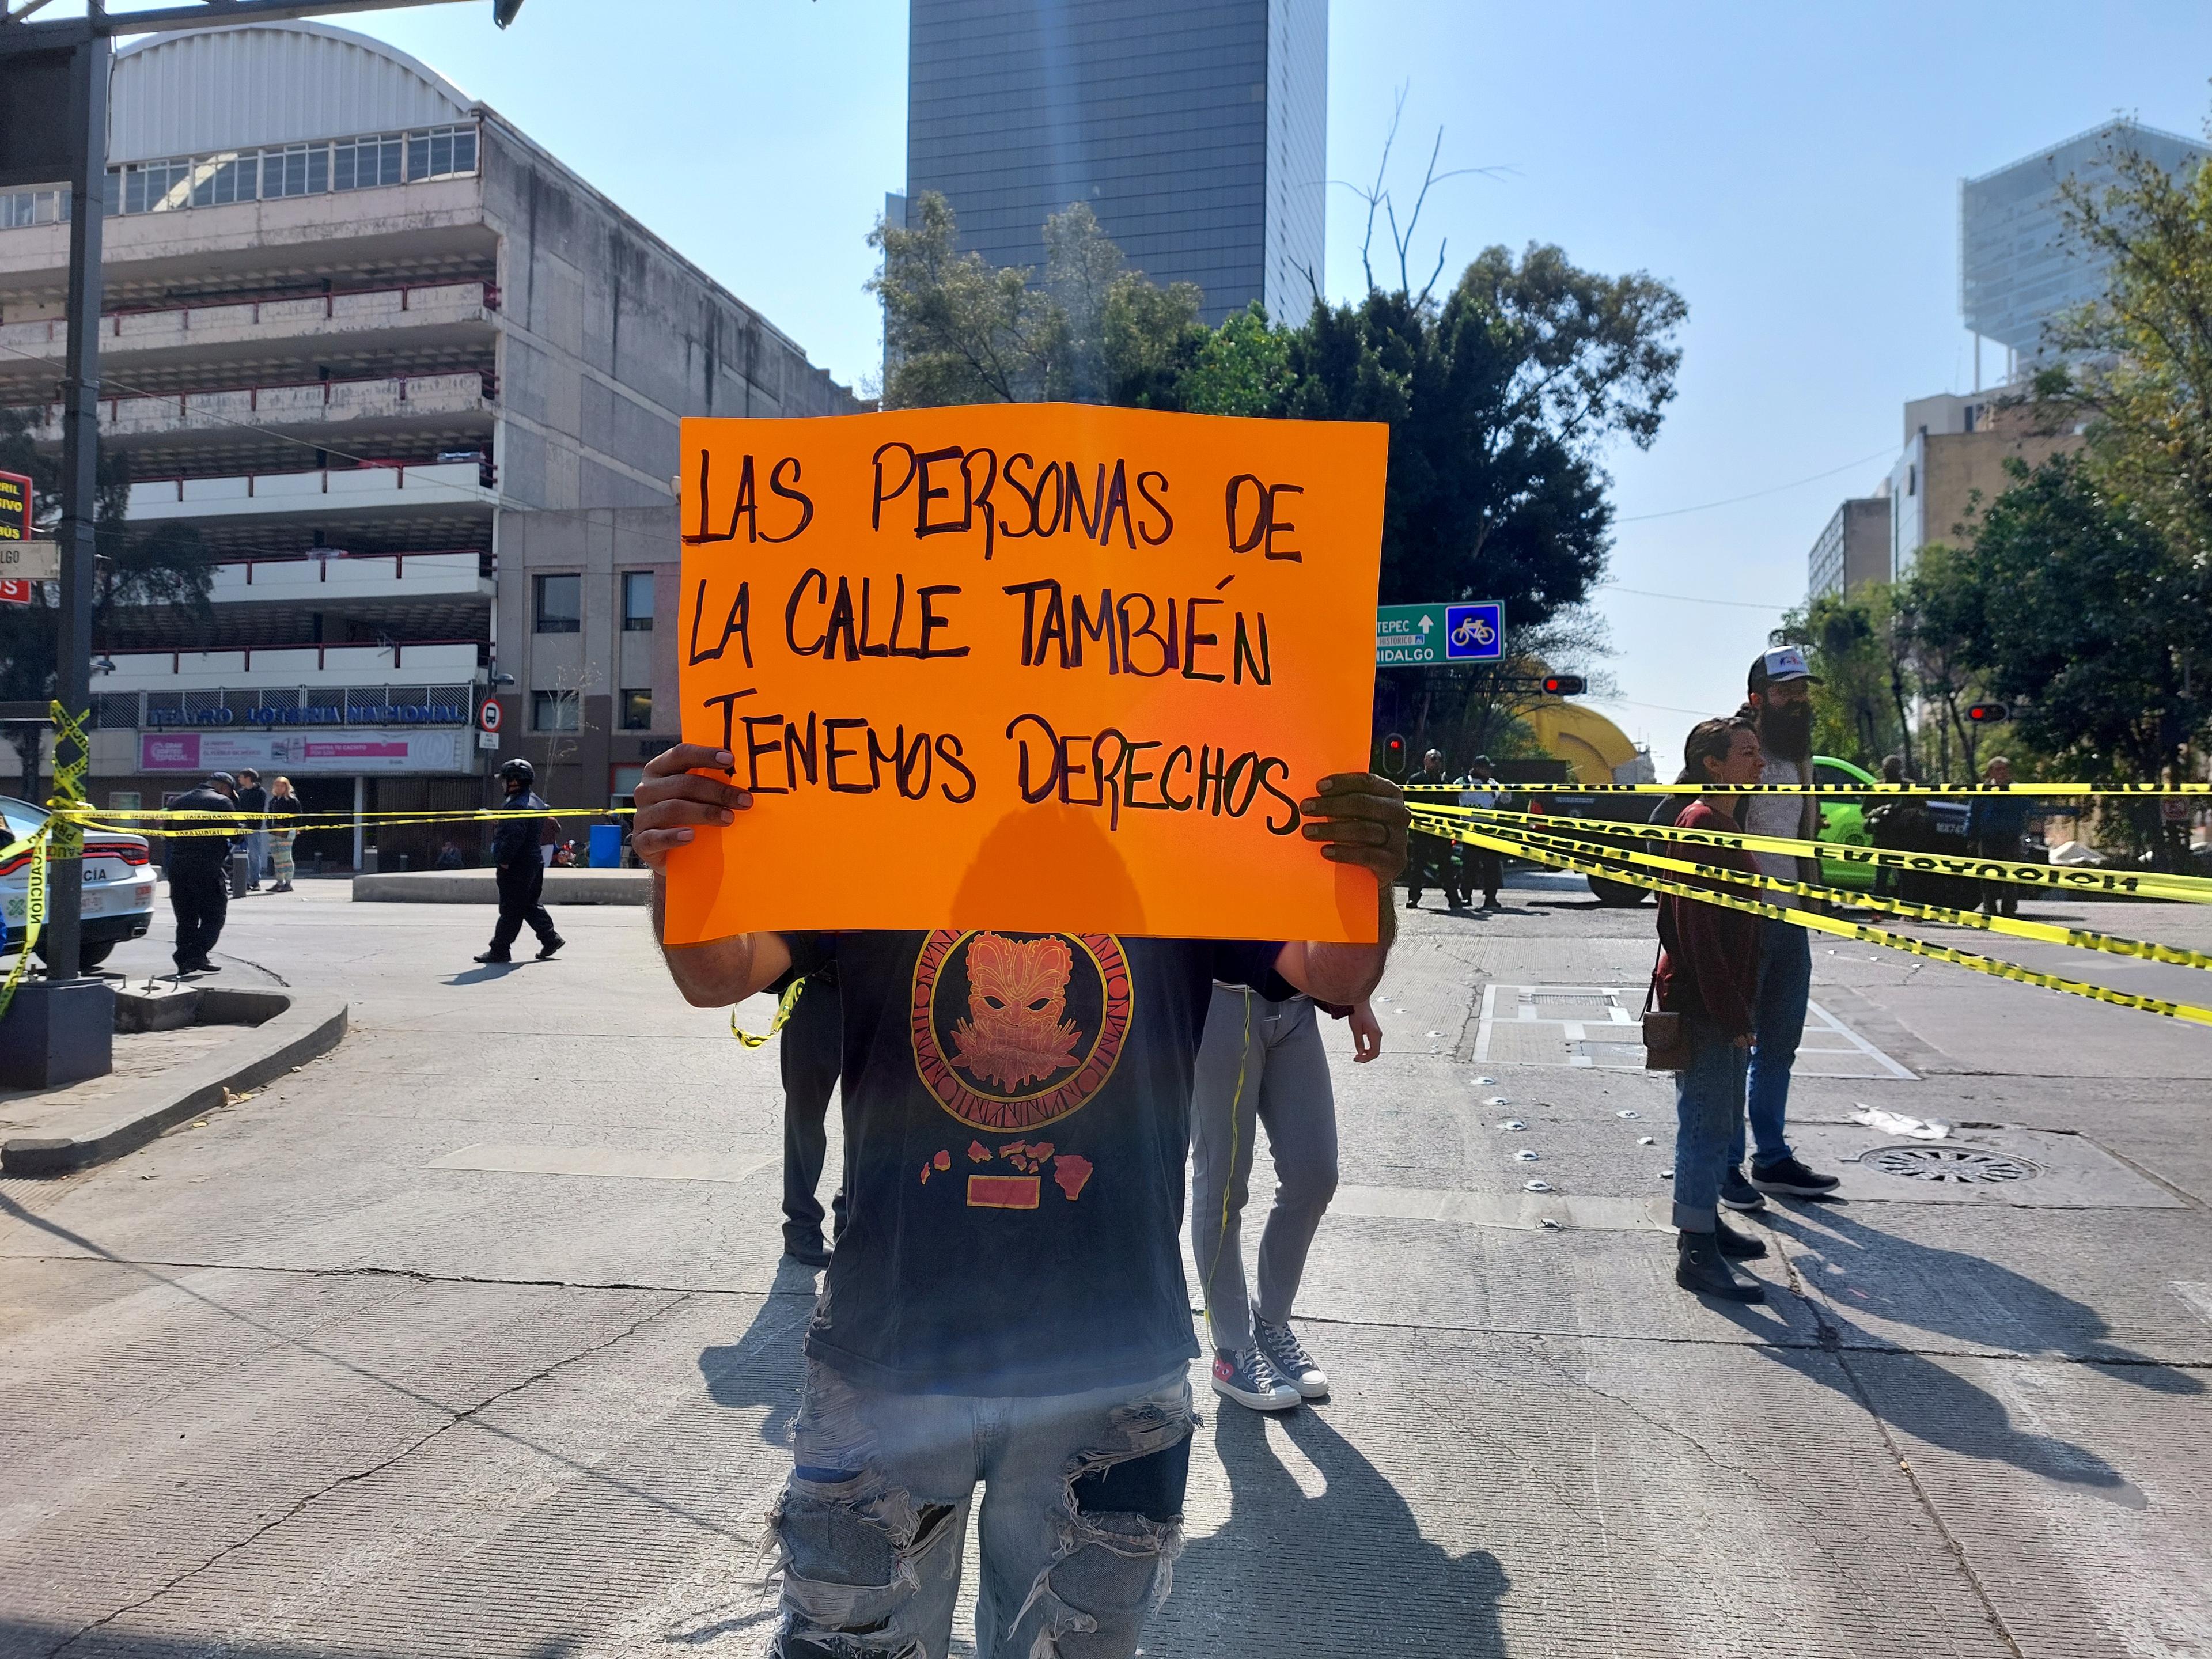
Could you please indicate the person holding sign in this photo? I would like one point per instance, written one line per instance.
(1006, 1305)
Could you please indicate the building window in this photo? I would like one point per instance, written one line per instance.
(555, 711)
(560, 605)
(637, 710)
(182, 181)
(637, 601)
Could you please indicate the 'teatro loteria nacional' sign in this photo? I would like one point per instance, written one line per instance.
(1036, 666)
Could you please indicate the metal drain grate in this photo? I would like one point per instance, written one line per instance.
(1964, 1165)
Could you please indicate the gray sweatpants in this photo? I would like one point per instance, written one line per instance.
(1259, 1063)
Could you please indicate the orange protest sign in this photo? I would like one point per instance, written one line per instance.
(1044, 667)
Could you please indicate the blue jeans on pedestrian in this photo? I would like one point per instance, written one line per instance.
(1785, 982)
(1708, 1109)
(1081, 1518)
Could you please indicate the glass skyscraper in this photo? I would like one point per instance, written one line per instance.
(1196, 130)
(2018, 270)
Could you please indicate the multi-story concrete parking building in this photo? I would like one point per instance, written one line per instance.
(1196, 130)
(416, 386)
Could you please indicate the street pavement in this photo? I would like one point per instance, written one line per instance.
(471, 1338)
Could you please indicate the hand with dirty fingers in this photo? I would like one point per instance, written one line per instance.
(683, 788)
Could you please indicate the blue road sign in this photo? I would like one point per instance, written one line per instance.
(1475, 633)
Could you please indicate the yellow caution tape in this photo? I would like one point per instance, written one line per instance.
(2071, 791)
(1905, 943)
(2056, 877)
(2043, 931)
(783, 1007)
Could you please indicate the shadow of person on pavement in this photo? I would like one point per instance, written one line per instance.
(488, 970)
(1344, 1575)
(1886, 1276)
(1923, 1399)
(764, 1367)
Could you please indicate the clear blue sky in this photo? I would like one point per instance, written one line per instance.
(1793, 169)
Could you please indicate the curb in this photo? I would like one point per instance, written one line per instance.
(279, 1030)
(480, 886)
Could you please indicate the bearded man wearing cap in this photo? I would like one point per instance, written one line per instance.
(1781, 705)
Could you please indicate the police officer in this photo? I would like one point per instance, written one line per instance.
(521, 867)
(198, 868)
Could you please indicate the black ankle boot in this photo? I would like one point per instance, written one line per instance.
(1700, 1266)
(1735, 1246)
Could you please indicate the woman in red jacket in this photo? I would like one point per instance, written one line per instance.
(1708, 974)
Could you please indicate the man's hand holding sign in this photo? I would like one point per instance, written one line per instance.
(1020, 724)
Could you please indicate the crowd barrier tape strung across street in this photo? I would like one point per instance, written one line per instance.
(61, 835)
(2077, 878)
(1440, 824)
(1944, 790)
(2042, 931)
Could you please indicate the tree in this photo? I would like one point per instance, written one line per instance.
(1939, 618)
(2141, 358)
(163, 566)
(1500, 403)
(2079, 610)
(1863, 705)
(1089, 330)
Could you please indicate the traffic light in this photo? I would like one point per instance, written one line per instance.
(1987, 713)
(1565, 685)
(502, 11)
(1394, 755)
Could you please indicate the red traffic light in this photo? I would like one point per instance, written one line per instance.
(1565, 685)
(1394, 755)
(1987, 713)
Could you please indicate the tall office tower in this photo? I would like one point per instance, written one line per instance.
(1196, 130)
(2018, 270)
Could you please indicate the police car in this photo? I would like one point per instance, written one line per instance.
(119, 886)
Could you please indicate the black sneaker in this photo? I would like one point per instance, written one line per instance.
(549, 946)
(1290, 1359)
(809, 1250)
(1700, 1266)
(1735, 1246)
(1250, 1381)
(495, 956)
(1737, 1193)
(1789, 1177)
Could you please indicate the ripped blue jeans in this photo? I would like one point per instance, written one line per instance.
(1080, 1522)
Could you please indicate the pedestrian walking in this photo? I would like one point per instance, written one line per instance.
(1781, 688)
(518, 867)
(1708, 973)
(1433, 854)
(253, 805)
(1479, 866)
(197, 865)
(1998, 825)
(1261, 1061)
(810, 1054)
(1006, 1303)
(284, 811)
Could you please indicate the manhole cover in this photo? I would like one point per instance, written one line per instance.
(1964, 1165)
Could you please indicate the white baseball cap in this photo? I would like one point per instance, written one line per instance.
(1783, 663)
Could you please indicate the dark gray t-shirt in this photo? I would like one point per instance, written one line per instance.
(1020, 1107)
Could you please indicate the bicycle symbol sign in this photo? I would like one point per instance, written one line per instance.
(1475, 633)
